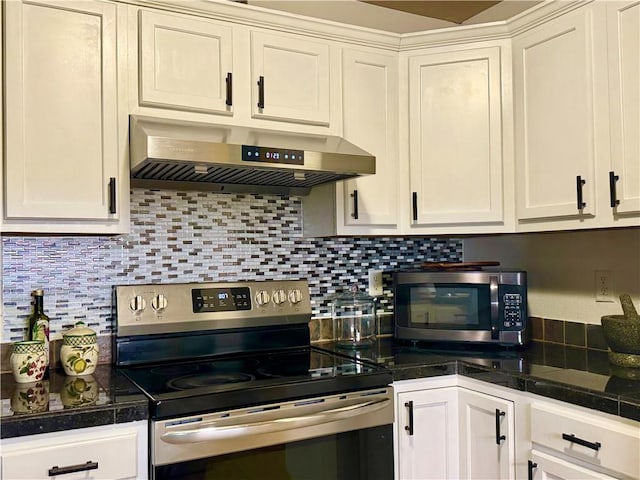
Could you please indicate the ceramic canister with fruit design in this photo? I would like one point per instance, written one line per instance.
(28, 361)
(79, 352)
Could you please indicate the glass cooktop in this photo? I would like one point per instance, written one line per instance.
(240, 380)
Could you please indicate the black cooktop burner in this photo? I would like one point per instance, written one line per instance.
(208, 380)
(233, 381)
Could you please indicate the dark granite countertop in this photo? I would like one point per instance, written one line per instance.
(65, 403)
(575, 375)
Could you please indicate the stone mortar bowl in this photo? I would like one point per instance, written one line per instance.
(623, 337)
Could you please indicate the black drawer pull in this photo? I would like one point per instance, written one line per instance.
(409, 428)
(355, 204)
(613, 197)
(579, 184)
(261, 92)
(499, 415)
(531, 467)
(53, 471)
(229, 99)
(112, 195)
(573, 439)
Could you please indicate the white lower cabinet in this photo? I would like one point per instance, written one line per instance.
(454, 427)
(487, 437)
(570, 443)
(108, 452)
(427, 434)
(547, 467)
(445, 431)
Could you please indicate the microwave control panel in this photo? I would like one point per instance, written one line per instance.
(513, 308)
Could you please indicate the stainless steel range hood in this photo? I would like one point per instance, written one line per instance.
(196, 156)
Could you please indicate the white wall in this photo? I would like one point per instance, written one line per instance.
(561, 268)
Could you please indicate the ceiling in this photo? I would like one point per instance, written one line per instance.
(400, 16)
(456, 11)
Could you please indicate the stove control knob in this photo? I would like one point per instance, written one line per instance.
(279, 297)
(262, 297)
(159, 302)
(295, 296)
(137, 304)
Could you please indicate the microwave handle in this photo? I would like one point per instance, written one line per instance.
(495, 311)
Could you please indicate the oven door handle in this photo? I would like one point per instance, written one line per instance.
(275, 424)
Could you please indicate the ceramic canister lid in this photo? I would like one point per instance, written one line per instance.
(79, 335)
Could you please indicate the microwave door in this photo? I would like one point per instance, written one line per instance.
(446, 307)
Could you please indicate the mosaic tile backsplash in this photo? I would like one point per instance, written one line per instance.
(195, 236)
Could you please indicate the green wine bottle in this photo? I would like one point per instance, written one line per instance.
(39, 322)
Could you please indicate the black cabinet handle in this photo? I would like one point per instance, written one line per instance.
(261, 92)
(409, 428)
(229, 80)
(531, 467)
(573, 439)
(355, 204)
(53, 471)
(112, 195)
(579, 184)
(499, 437)
(613, 198)
(415, 206)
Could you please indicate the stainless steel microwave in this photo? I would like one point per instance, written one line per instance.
(462, 306)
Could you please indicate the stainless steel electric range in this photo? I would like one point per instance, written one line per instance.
(236, 391)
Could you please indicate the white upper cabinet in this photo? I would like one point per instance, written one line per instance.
(623, 34)
(577, 104)
(456, 155)
(369, 102)
(65, 157)
(291, 78)
(185, 63)
(558, 97)
(368, 204)
(207, 69)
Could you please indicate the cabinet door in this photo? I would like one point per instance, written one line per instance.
(427, 434)
(369, 99)
(455, 128)
(556, 104)
(294, 73)
(185, 63)
(547, 467)
(623, 30)
(62, 148)
(487, 436)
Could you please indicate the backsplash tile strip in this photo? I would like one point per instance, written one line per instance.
(194, 237)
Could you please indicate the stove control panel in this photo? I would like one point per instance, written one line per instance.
(181, 307)
(221, 299)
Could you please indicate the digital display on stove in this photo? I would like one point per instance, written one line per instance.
(220, 299)
(251, 153)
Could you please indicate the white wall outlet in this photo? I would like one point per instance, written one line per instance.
(604, 286)
(375, 283)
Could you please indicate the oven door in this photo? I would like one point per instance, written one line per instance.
(347, 436)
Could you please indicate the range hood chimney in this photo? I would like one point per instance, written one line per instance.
(197, 156)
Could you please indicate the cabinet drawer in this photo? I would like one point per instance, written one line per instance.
(588, 438)
(114, 453)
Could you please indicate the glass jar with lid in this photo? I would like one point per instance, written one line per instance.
(354, 318)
